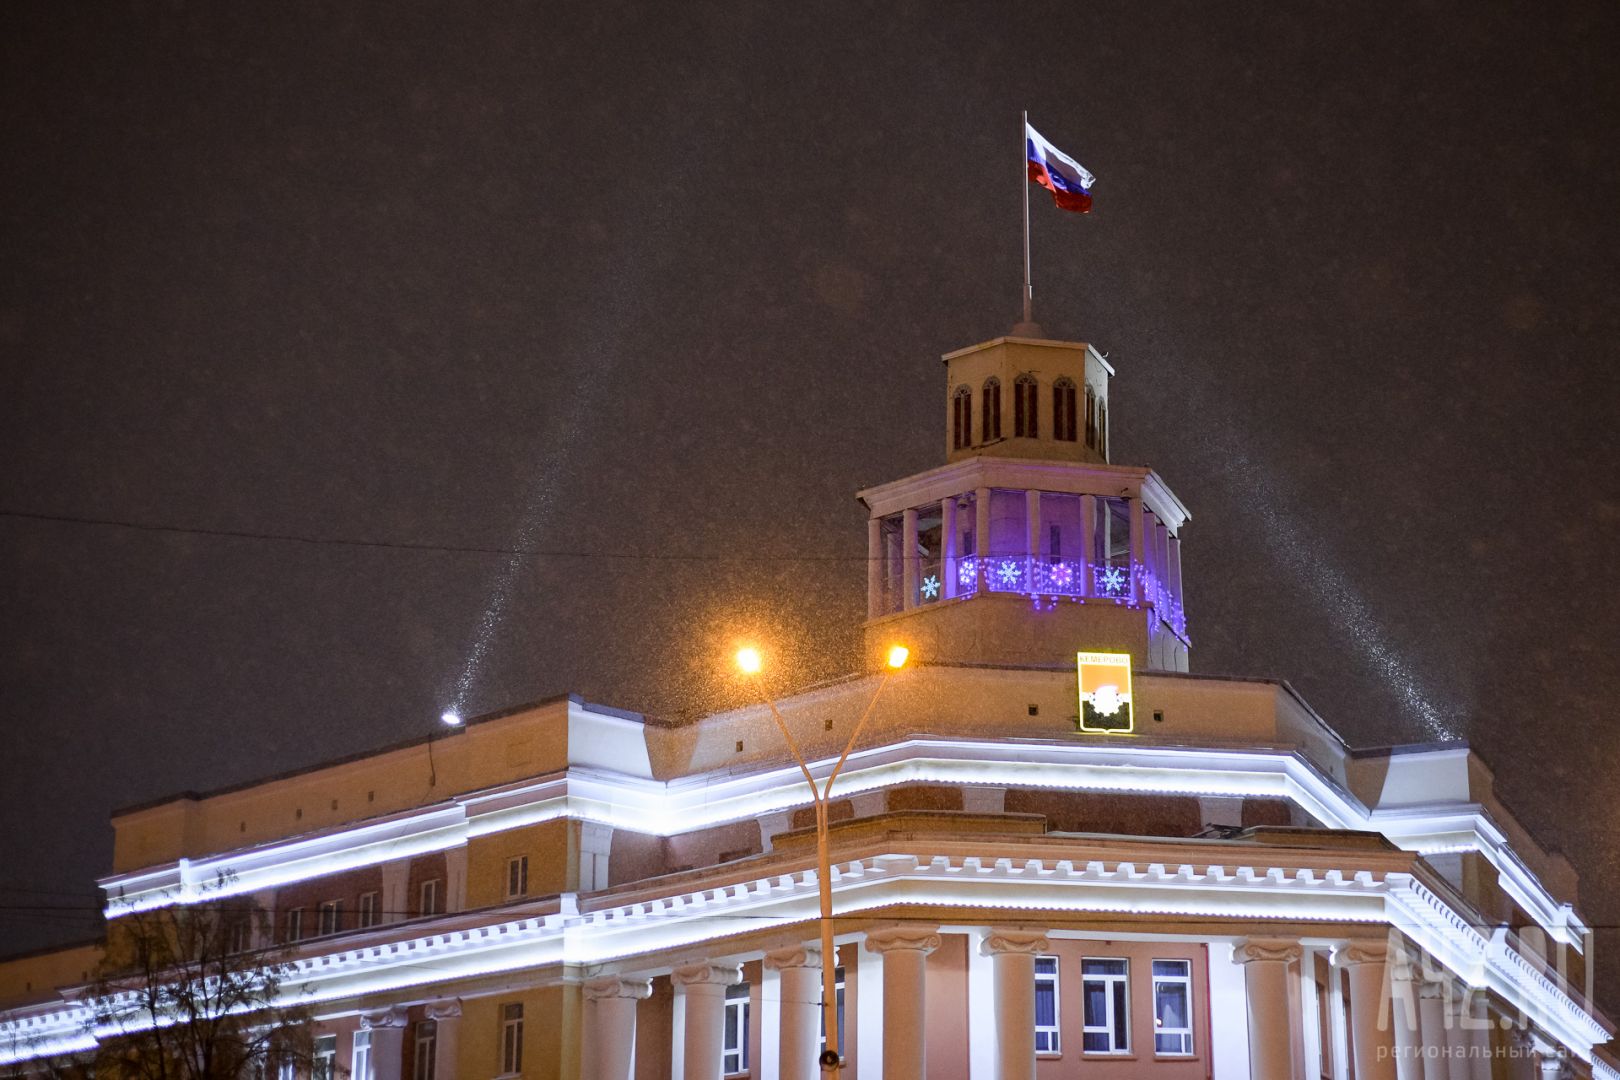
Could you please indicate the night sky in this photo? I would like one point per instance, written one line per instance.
(653, 289)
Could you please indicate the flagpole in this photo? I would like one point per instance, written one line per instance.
(1023, 154)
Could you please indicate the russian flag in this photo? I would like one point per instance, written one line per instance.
(1057, 172)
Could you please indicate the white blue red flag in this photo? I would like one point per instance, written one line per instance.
(1057, 172)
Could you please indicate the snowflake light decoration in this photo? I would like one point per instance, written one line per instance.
(930, 587)
(967, 573)
(1008, 572)
(1062, 575)
(1111, 580)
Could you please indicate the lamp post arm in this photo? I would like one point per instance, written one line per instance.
(853, 735)
(781, 725)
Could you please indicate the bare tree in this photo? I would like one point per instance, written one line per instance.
(182, 995)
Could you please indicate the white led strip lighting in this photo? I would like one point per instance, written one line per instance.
(651, 925)
(688, 804)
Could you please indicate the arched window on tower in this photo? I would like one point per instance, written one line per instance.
(1063, 410)
(992, 410)
(961, 418)
(1091, 417)
(1102, 429)
(1025, 395)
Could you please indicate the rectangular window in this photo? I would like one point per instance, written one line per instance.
(426, 1049)
(517, 877)
(1172, 1007)
(1046, 1005)
(511, 1039)
(331, 920)
(324, 1065)
(734, 1048)
(1056, 544)
(295, 925)
(1105, 985)
(838, 989)
(361, 1067)
(367, 910)
(286, 1070)
(428, 898)
(239, 935)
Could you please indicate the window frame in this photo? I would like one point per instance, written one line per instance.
(517, 877)
(367, 910)
(424, 890)
(962, 417)
(323, 1062)
(1054, 1030)
(821, 1024)
(360, 1062)
(424, 1050)
(329, 918)
(734, 1054)
(1063, 410)
(293, 926)
(1109, 1026)
(1185, 981)
(1026, 407)
(990, 423)
(512, 1038)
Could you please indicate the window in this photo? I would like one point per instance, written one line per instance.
(239, 934)
(517, 877)
(295, 924)
(324, 1065)
(367, 910)
(1046, 1005)
(286, 1069)
(511, 1039)
(1056, 545)
(1063, 415)
(734, 1050)
(426, 1048)
(961, 418)
(1091, 417)
(1025, 394)
(992, 410)
(360, 1068)
(428, 897)
(331, 920)
(1172, 1007)
(1105, 985)
(1102, 428)
(838, 990)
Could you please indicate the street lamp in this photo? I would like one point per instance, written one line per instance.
(750, 663)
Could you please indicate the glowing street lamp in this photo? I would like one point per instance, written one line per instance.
(450, 719)
(750, 663)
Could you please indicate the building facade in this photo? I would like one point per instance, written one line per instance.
(1055, 852)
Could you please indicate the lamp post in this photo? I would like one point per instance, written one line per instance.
(750, 663)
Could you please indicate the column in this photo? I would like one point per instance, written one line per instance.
(874, 567)
(1088, 540)
(1521, 1057)
(1554, 1065)
(455, 873)
(948, 546)
(1032, 519)
(262, 929)
(703, 988)
(1138, 549)
(1477, 1028)
(446, 1017)
(1172, 569)
(908, 558)
(981, 533)
(904, 950)
(799, 1029)
(610, 1027)
(1456, 1039)
(1405, 1016)
(396, 877)
(1265, 979)
(387, 1059)
(1372, 1042)
(1013, 953)
(1161, 566)
(1432, 1026)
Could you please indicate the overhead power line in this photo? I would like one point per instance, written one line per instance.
(407, 545)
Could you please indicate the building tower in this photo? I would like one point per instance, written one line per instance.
(1027, 545)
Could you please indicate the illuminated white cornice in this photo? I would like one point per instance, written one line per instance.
(639, 926)
(690, 803)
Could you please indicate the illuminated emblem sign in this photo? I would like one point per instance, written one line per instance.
(1105, 693)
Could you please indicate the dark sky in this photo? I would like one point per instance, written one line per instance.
(673, 280)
